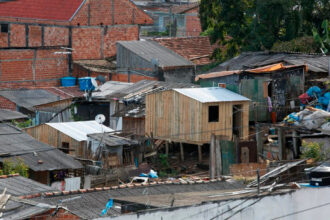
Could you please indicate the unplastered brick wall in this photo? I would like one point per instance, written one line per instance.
(27, 57)
(26, 67)
(7, 104)
(193, 23)
(110, 12)
(100, 42)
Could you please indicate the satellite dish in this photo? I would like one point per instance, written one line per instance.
(100, 118)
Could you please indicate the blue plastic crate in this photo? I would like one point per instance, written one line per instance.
(85, 83)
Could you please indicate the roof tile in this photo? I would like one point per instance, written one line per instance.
(59, 10)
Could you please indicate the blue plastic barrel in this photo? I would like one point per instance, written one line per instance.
(68, 81)
(85, 83)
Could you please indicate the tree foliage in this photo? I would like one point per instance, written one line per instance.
(252, 25)
(10, 167)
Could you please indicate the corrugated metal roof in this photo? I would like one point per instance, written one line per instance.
(150, 50)
(213, 94)
(15, 144)
(28, 98)
(109, 88)
(248, 60)
(79, 130)
(91, 204)
(7, 115)
(23, 210)
(20, 186)
(112, 140)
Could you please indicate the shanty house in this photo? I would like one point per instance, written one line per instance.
(7, 115)
(111, 149)
(70, 137)
(44, 161)
(87, 141)
(131, 103)
(272, 88)
(150, 59)
(317, 64)
(191, 115)
(41, 105)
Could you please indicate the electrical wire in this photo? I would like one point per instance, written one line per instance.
(301, 211)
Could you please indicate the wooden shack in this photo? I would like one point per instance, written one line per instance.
(69, 137)
(191, 115)
(282, 84)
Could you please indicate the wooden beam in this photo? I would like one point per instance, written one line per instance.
(212, 157)
(281, 143)
(259, 141)
(218, 169)
(200, 153)
(295, 144)
(181, 151)
(166, 147)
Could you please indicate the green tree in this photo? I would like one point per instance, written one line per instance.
(252, 25)
(10, 167)
(323, 39)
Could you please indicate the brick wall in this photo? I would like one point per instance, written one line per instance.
(193, 23)
(94, 32)
(117, 11)
(31, 67)
(7, 104)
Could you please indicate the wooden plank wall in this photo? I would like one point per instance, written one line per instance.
(172, 116)
(135, 125)
(48, 135)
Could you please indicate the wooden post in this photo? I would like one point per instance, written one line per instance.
(238, 153)
(218, 169)
(258, 180)
(294, 141)
(181, 152)
(281, 143)
(212, 157)
(166, 148)
(259, 141)
(200, 153)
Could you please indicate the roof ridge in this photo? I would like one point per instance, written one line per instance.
(122, 186)
(9, 175)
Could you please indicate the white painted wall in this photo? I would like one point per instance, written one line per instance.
(270, 207)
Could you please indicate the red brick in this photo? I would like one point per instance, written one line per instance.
(17, 35)
(34, 36)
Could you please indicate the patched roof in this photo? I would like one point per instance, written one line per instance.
(149, 51)
(196, 49)
(248, 60)
(58, 10)
(109, 88)
(88, 204)
(8, 115)
(212, 94)
(28, 98)
(79, 130)
(264, 69)
(112, 140)
(17, 145)
(19, 186)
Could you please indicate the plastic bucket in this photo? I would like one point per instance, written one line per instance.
(68, 81)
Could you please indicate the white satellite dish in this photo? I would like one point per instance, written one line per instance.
(100, 118)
